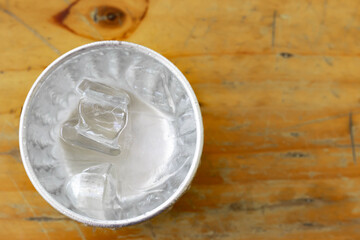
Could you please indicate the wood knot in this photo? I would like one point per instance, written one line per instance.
(108, 16)
(102, 19)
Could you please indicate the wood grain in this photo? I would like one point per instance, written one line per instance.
(278, 83)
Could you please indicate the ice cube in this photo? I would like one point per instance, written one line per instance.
(149, 80)
(93, 191)
(186, 123)
(101, 117)
(102, 92)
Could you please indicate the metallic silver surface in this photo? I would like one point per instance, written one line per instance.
(30, 112)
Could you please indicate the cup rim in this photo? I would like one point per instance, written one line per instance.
(124, 222)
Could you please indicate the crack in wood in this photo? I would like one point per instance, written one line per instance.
(46, 219)
(352, 140)
(32, 30)
(273, 29)
(249, 206)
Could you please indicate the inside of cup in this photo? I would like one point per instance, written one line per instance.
(110, 132)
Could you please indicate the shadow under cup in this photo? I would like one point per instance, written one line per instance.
(111, 134)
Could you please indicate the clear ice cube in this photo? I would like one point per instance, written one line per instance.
(93, 191)
(149, 80)
(186, 123)
(101, 117)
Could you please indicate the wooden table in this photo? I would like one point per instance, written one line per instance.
(279, 88)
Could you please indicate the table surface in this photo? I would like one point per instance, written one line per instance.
(278, 83)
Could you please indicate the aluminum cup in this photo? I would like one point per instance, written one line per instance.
(43, 112)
